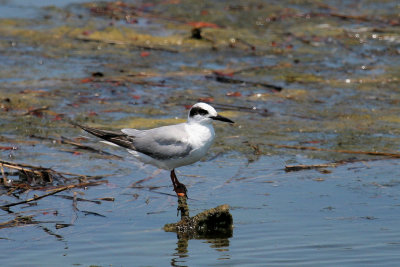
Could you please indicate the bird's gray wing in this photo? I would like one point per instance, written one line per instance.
(162, 143)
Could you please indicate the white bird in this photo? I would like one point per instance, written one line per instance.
(168, 147)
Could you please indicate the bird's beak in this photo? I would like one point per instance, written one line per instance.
(221, 118)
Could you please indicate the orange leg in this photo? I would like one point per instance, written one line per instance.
(179, 188)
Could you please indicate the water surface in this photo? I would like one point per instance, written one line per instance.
(134, 64)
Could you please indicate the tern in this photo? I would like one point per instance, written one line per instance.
(168, 147)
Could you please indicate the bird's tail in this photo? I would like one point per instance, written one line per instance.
(118, 138)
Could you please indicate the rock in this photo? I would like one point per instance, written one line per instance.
(213, 223)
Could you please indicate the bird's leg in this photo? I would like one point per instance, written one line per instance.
(181, 192)
(179, 188)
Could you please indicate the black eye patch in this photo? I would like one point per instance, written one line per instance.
(197, 111)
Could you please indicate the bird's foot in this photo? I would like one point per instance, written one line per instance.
(179, 188)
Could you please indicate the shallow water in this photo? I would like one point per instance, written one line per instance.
(340, 94)
(279, 219)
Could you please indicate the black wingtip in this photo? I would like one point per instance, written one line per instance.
(117, 138)
(73, 123)
(85, 128)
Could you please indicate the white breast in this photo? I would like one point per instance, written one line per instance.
(201, 138)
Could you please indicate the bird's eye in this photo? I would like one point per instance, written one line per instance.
(198, 111)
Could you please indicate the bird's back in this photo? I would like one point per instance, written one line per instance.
(172, 146)
(161, 143)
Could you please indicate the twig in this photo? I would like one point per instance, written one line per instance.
(224, 79)
(362, 18)
(74, 202)
(238, 40)
(23, 167)
(49, 232)
(38, 197)
(154, 174)
(35, 111)
(42, 170)
(151, 189)
(253, 109)
(75, 198)
(291, 168)
(136, 183)
(55, 191)
(255, 68)
(4, 175)
(19, 220)
(107, 198)
(372, 153)
(116, 42)
(92, 213)
(62, 225)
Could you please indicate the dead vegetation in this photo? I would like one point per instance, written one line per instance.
(19, 180)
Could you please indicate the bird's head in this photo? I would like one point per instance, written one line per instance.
(204, 113)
